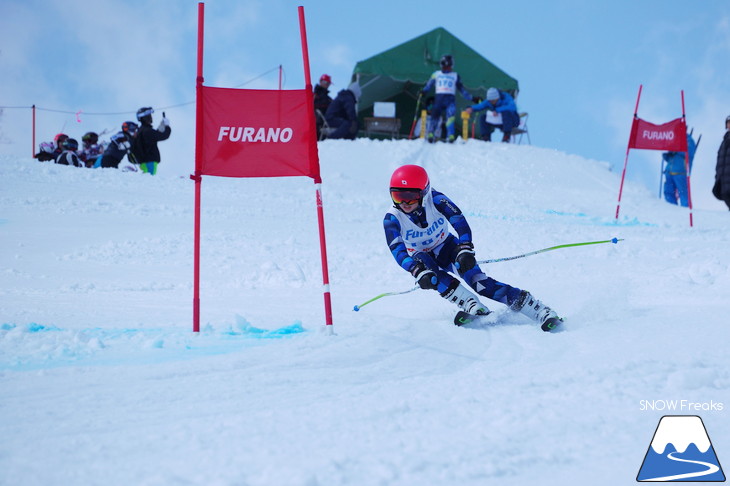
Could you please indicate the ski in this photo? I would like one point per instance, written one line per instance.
(462, 317)
(552, 324)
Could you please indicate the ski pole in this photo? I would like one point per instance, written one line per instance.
(357, 307)
(494, 260)
(415, 116)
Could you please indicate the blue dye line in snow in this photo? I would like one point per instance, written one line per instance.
(256, 333)
(600, 221)
(579, 218)
(47, 346)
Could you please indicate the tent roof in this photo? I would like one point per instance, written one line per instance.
(415, 60)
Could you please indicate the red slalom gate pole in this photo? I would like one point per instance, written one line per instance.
(686, 168)
(32, 153)
(628, 147)
(198, 168)
(318, 187)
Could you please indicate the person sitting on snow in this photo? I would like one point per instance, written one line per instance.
(501, 103)
(341, 114)
(50, 150)
(119, 146)
(675, 174)
(446, 82)
(69, 155)
(417, 233)
(92, 149)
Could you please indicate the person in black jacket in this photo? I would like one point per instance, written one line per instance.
(69, 155)
(322, 100)
(144, 147)
(721, 189)
(341, 115)
(119, 146)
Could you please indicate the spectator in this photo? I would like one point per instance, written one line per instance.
(145, 143)
(69, 155)
(51, 150)
(446, 82)
(341, 115)
(721, 189)
(119, 146)
(675, 174)
(92, 149)
(501, 103)
(322, 100)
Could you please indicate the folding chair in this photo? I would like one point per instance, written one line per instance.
(521, 130)
(324, 129)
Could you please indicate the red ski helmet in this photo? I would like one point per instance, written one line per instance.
(409, 183)
(59, 139)
(326, 78)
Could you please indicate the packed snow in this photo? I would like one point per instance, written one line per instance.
(103, 382)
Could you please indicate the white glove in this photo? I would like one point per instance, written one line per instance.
(164, 123)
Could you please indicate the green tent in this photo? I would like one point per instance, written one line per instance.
(399, 73)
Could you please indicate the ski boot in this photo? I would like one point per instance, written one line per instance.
(467, 302)
(534, 309)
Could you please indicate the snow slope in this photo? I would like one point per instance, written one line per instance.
(102, 381)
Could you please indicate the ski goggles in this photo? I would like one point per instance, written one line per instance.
(146, 112)
(401, 196)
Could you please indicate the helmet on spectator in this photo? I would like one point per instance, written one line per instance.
(325, 78)
(90, 138)
(130, 127)
(59, 139)
(144, 114)
(71, 144)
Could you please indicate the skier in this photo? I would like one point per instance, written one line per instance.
(447, 82)
(145, 143)
(417, 233)
(675, 174)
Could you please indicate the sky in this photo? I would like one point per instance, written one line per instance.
(579, 64)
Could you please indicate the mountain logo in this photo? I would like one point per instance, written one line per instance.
(680, 451)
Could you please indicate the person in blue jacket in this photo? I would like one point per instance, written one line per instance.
(418, 235)
(675, 174)
(446, 82)
(341, 115)
(502, 103)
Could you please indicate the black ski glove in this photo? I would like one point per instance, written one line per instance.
(425, 277)
(465, 259)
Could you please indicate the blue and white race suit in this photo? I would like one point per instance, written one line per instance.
(423, 236)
